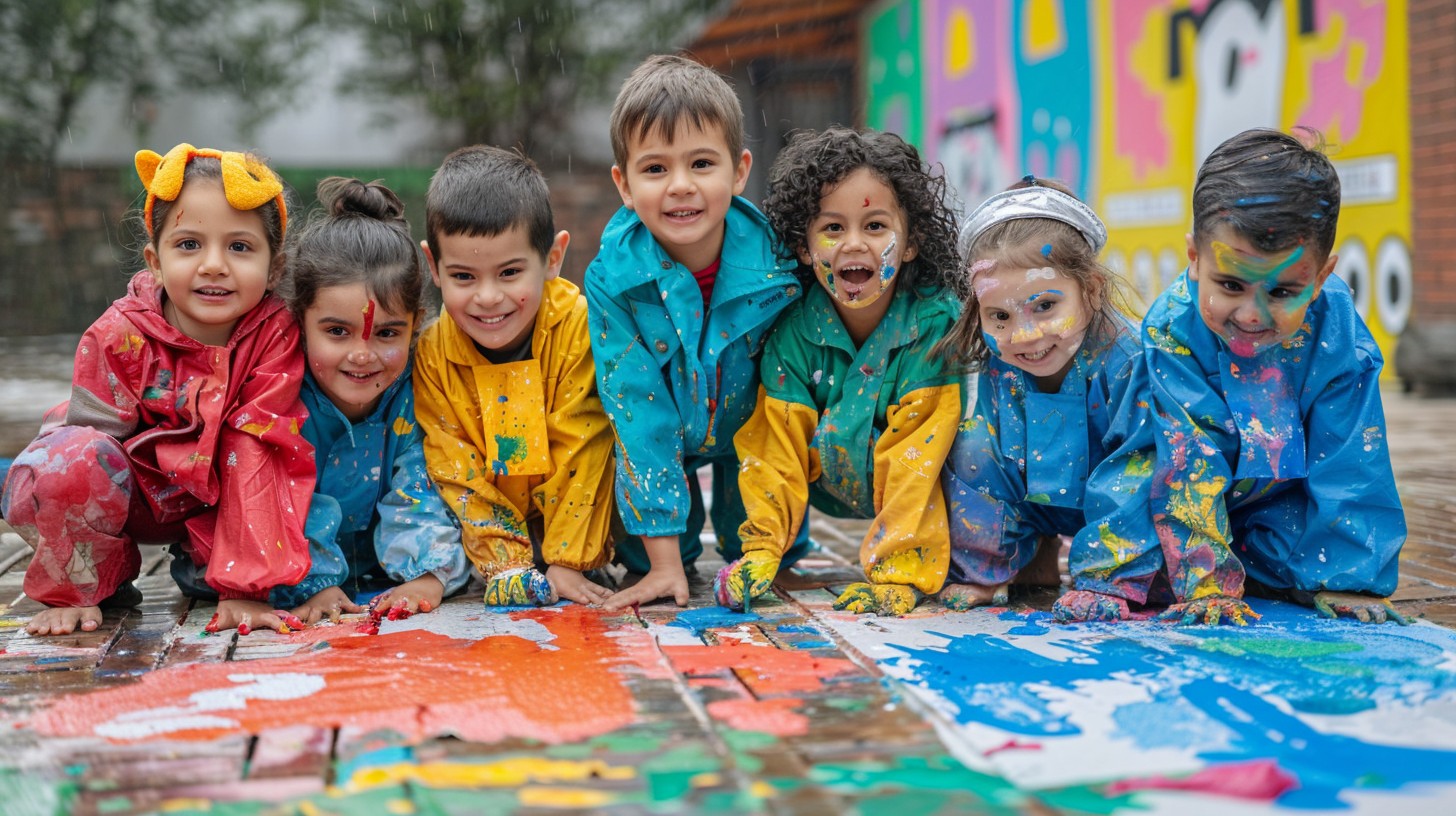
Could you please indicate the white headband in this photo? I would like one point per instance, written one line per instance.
(1033, 202)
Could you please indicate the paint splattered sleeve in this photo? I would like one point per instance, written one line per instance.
(266, 472)
(1117, 552)
(416, 532)
(576, 498)
(909, 540)
(492, 529)
(327, 565)
(107, 377)
(1190, 477)
(651, 482)
(776, 466)
(1353, 526)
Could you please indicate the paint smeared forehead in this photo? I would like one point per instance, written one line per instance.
(1237, 264)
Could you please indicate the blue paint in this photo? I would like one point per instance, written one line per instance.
(1257, 201)
(1035, 622)
(711, 617)
(1213, 688)
(797, 629)
(991, 344)
(1046, 250)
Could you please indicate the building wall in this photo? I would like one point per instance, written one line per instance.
(1122, 99)
(1433, 156)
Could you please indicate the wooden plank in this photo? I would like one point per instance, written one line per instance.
(300, 750)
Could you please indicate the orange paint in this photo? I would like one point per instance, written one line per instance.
(766, 671)
(776, 716)
(418, 683)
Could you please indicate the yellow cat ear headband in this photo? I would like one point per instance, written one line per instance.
(247, 182)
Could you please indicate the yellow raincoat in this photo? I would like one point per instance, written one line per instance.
(521, 446)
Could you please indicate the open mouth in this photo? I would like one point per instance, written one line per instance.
(210, 292)
(360, 376)
(683, 215)
(1036, 356)
(856, 275)
(491, 320)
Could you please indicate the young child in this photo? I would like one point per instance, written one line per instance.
(855, 415)
(184, 417)
(515, 436)
(1047, 329)
(354, 282)
(682, 293)
(1266, 419)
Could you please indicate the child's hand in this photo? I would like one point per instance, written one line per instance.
(1364, 608)
(573, 586)
(1211, 610)
(423, 594)
(245, 616)
(737, 584)
(63, 620)
(960, 597)
(523, 586)
(328, 602)
(662, 581)
(1084, 606)
(882, 599)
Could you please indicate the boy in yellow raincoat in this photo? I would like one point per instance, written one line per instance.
(505, 388)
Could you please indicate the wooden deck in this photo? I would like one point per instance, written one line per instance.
(657, 711)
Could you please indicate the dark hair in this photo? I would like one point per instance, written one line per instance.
(485, 191)
(1032, 243)
(667, 90)
(361, 236)
(1270, 187)
(209, 167)
(814, 162)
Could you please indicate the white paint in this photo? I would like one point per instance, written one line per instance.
(201, 710)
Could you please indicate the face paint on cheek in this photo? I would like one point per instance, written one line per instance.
(888, 257)
(991, 343)
(825, 271)
(368, 319)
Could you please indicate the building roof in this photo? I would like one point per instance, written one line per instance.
(752, 29)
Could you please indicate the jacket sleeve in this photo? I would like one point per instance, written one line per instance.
(1190, 479)
(416, 532)
(985, 489)
(776, 466)
(266, 474)
(492, 530)
(576, 498)
(1117, 551)
(107, 376)
(327, 565)
(1353, 527)
(909, 540)
(651, 482)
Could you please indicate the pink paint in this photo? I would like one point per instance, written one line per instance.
(1335, 102)
(1140, 135)
(1011, 744)
(765, 670)
(1260, 780)
(776, 716)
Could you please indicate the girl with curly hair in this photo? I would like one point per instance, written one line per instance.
(855, 414)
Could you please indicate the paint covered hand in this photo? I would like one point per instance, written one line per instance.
(245, 616)
(423, 594)
(960, 597)
(574, 586)
(882, 599)
(519, 587)
(1364, 608)
(1210, 610)
(751, 576)
(1084, 606)
(328, 602)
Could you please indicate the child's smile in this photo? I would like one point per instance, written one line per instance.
(1254, 300)
(1034, 319)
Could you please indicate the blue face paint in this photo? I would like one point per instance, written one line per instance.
(1046, 250)
(991, 343)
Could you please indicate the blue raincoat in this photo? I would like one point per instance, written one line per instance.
(676, 385)
(366, 532)
(1273, 466)
(1022, 457)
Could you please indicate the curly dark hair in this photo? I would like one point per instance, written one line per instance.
(814, 162)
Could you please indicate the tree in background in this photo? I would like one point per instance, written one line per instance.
(509, 72)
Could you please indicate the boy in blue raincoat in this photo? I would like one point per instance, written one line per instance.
(680, 297)
(1272, 474)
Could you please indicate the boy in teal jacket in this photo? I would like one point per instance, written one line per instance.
(685, 288)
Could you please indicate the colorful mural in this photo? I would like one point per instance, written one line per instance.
(1122, 100)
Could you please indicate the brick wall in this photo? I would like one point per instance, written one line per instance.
(1433, 157)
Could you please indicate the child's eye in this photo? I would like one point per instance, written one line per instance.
(387, 334)
(1231, 286)
(874, 226)
(239, 246)
(463, 277)
(998, 315)
(510, 272)
(832, 227)
(336, 331)
(654, 168)
(702, 164)
(189, 244)
(1281, 293)
(1044, 305)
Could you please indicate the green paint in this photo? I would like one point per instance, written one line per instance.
(31, 794)
(1287, 649)
(460, 802)
(1039, 498)
(937, 773)
(669, 775)
(639, 739)
(847, 703)
(741, 743)
(511, 448)
(1086, 799)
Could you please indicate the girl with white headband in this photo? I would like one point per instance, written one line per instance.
(1047, 331)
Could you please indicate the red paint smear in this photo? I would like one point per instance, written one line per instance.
(483, 691)
(766, 671)
(776, 717)
(369, 320)
(1012, 745)
(1261, 779)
